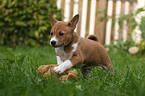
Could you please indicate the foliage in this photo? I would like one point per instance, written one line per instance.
(18, 75)
(142, 47)
(123, 47)
(140, 10)
(131, 24)
(129, 18)
(142, 27)
(26, 21)
(120, 45)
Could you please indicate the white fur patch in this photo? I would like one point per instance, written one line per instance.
(75, 46)
(64, 66)
(66, 56)
(59, 60)
(63, 56)
(54, 39)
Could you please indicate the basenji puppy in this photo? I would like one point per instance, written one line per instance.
(73, 50)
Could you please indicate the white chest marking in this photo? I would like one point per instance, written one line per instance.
(63, 55)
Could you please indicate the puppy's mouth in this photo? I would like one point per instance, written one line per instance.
(58, 45)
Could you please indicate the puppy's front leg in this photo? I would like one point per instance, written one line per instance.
(59, 60)
(64, 66)
(76, 59)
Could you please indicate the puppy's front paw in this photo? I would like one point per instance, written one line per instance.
(59, 69)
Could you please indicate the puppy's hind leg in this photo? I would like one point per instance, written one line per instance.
(108, 68)
(86, 71)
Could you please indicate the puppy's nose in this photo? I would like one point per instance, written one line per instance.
(53, 43)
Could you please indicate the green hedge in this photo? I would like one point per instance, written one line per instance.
(26, 21)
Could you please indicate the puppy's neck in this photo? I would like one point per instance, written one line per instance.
(75, 38)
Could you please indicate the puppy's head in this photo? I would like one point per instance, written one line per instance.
(61, 33)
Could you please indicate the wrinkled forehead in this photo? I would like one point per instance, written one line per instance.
(59, 26)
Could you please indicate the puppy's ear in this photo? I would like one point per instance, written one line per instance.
(74, 21)
(53, 21)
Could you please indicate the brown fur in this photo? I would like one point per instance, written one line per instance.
(93, 37)
(89, 53)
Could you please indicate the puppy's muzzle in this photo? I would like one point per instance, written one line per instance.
(53, 43)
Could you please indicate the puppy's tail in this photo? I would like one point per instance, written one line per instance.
(93, 37)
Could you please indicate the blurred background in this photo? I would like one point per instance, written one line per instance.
(25, 22)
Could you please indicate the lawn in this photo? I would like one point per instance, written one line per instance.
(18, 75)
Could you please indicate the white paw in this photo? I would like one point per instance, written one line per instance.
(59, 69)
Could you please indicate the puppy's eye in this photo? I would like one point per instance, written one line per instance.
(51, 33)
(61, 34)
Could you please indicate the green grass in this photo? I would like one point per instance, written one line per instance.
(18, 75)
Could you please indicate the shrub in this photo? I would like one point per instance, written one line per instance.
(26, 21)
(142, 27)
(120, 46)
